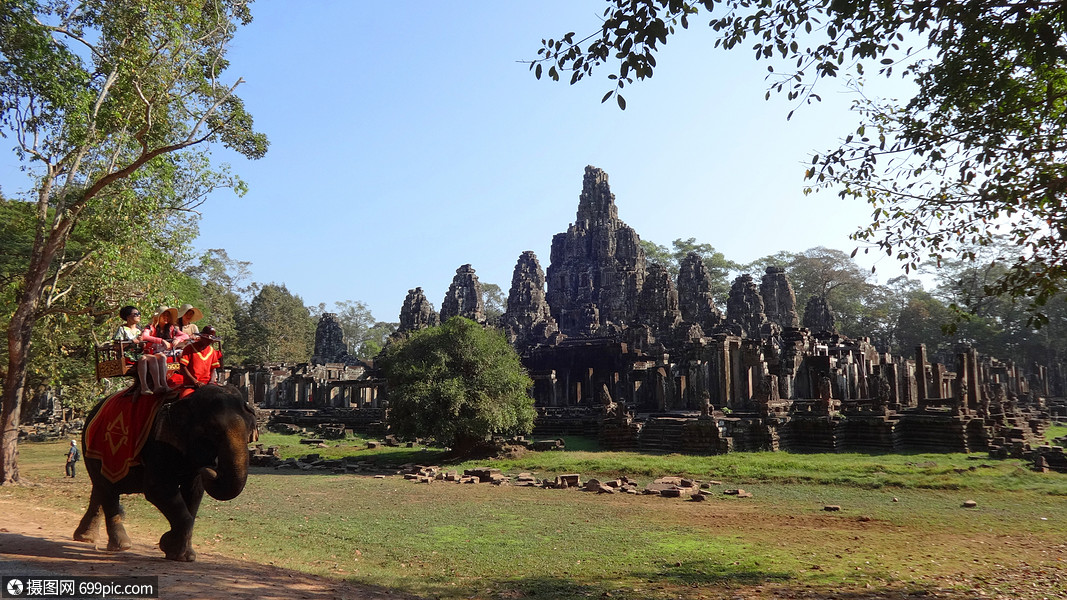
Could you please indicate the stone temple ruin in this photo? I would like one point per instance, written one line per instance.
(619, 350)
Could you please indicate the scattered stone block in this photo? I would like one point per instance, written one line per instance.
(831, 508)
(570, 480)
(483, 474)
(969, 504)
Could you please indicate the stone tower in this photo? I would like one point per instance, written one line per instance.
(464, 297)
(597, 267)
(819, 315)
(657, 305)
(744, 308)
(695, 298)
(527, 320)
(417, 312)
(330, 344)
(779, 301)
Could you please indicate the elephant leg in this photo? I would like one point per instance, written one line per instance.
(192, 494)
(89, 526)
(176, 544)
(114, 516)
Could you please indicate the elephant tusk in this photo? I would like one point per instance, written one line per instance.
(209, 474)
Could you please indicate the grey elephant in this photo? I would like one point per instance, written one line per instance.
(196, 444)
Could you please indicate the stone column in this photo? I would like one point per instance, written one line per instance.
(920, 372)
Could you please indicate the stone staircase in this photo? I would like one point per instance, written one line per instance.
(662, 434)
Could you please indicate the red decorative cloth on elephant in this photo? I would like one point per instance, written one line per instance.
(119, 430)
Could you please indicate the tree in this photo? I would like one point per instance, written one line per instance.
(495, 303)
(111, 105)
(920, 321)
(828, 273)
(376, 339)
(978, 150)
(719, 268)
(364, 336)
(457, 383)
(882, 307)
(279, 327)
(225, 288)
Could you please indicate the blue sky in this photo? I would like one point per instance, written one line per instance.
(407, 139)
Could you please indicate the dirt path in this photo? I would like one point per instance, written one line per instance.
(37, 541)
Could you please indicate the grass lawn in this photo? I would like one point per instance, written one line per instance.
(1057, 430)
(901, 531)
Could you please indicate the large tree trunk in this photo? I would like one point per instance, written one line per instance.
(19, 334)
(18, 347)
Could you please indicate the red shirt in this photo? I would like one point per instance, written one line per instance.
(202, 364)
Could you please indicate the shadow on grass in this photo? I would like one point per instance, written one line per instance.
(708, 572)
(697, 579)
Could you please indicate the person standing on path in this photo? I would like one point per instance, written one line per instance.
(72, 458)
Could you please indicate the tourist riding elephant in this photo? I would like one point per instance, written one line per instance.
(196, 444)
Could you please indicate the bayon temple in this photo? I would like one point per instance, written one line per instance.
(619, 350)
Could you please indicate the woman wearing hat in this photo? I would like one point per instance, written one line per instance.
(161, 339)
(188, 315)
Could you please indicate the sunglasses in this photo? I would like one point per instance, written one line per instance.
(136, 314)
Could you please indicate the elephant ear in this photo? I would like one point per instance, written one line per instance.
(172, 424)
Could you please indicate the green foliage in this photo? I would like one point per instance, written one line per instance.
(976, 152)
(109, 107)
(829, 273)
(457, 383)
(224, 287)
(107, 263)
(495, 302)
(364, 336)
(279, 327)
(719, 268)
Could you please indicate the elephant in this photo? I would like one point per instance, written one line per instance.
(198, 443)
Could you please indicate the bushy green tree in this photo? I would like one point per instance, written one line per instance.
(110, 105)
(279, 327)
(457, 383)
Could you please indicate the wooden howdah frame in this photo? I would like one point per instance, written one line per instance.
(111, 360)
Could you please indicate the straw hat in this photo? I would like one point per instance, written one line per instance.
(197, 314)
(170, 310)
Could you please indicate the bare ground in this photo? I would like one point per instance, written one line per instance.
(37, 541)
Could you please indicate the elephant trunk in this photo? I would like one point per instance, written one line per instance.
(227, 479)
